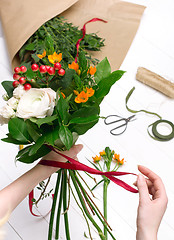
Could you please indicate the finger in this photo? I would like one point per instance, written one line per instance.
(149, 185)
(156, 180)
(143, 189)
(74, 150)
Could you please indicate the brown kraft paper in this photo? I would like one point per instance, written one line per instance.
(21, 18)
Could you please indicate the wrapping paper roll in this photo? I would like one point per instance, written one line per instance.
(155, 81)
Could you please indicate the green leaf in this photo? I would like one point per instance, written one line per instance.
(23, 151)
(62, 109)
(49, 44)
(37, 145)
(10, 139)
(18, 130)
(52, 136)
(25, 158)
(80, 129)
(30, 46)
(86, 112)
(35, 57)
(65, 82)
(33, 130)
(29, 74)
(82, 61)
(48, 119)
(81, 120)
(66, 137)
(103, 70)
(106, 83)
(7, 85)
(78, 81)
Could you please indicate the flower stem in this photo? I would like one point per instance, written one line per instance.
(72, 174)
(54, 206)
(65, 204)
(105, 186)
(59, 210)
(42, 193)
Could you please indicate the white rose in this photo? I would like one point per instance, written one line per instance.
(19, 91)
(36, 102)
(13, 103)
(7, 112)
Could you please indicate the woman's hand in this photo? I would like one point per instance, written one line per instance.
(14, 193)
(53, 156)
(150, 211)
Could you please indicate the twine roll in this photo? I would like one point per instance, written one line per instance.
(155, 81)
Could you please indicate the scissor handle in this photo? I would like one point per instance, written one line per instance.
(112, 131)
(108, 123)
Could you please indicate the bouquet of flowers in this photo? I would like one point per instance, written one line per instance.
(48, 106)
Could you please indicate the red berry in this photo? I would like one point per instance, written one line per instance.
(17, 70)
(57, 66)
(27, 86)
(51, 71)
(22, 80)
(34, 67)
(16, 76)
(47, 67)
(43, 69)
(15, 84)
(23, 69)
(61, 72)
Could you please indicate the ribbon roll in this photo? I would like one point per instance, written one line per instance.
(158, 136)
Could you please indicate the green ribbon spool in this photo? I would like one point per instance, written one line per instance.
(157, 135)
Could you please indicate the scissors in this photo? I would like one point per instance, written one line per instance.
(115, 119)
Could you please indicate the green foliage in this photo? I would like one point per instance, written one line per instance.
(103, 70)
(48, 120)
(106, 83)
(7, 85)
(64, 83)
(18, 130)
(62, 109)
(60, 36)
(66, 136)
(33, 130)
(82, 61)
(10, 139)
(40, 141)
(23, 155)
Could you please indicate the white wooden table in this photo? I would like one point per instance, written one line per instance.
(153, 48)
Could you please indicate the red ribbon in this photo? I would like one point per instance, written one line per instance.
(31, 196)
(75, 165)
(84, 32)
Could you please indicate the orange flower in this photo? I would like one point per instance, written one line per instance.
(81, 97)
(42, 55)
(90, 92)
(96, 158)
(103, 153)
(55, 57)
(63, 95)
(92, 70)
(76, 92)
(118, 160)
(74, 66)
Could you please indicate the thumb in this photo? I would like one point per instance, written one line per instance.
(143, 189)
